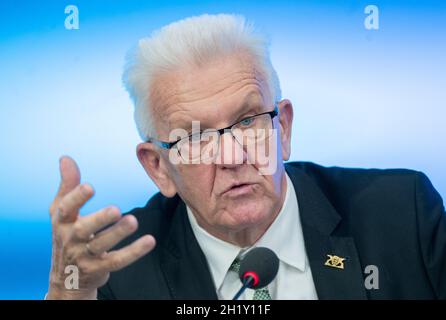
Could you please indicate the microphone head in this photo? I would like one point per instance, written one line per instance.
(260, 263)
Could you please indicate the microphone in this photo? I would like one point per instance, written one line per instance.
(257, 269)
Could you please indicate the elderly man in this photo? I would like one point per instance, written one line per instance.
(216, 133)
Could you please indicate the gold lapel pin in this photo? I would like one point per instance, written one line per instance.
(335, 261)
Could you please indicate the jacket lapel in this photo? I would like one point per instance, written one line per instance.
(319, 220)
(183, 263)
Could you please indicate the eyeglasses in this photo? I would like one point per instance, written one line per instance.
(204, 145)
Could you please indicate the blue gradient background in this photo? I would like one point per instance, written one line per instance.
(362, 98)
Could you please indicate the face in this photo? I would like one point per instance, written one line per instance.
(228, 197)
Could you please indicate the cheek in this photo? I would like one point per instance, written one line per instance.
(196, 180)
(265, 155)
(271, 185)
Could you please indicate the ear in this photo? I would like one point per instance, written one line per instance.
(156, 168)
(286, 122)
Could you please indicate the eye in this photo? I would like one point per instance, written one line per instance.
(247, 121)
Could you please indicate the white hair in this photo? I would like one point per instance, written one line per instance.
(194, 40)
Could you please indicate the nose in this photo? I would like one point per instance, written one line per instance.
(231, 153)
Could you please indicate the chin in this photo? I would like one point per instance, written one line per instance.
(245, 215)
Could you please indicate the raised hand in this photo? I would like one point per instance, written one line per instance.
(84, 242)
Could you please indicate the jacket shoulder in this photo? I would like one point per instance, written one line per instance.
(154, 218)
(319, 171)
(366, 194)
(350, 181)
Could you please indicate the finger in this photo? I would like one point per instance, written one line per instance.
(84, 227)
(68, 208)
(70, 176)
(69, 179)
(110, 237)
(116, 260)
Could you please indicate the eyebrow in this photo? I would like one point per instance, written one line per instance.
(248, 105)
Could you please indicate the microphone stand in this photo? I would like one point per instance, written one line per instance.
(246, 284)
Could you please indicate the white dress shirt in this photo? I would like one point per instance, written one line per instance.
(294, 279)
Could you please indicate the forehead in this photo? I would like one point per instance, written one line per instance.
(212, 93)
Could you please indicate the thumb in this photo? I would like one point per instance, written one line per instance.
(70, 176)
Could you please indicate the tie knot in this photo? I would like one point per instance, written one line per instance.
(235, 266)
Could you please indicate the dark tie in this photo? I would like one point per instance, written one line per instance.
(259, 294)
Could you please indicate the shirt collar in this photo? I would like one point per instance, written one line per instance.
(284, 237)
(219, 254)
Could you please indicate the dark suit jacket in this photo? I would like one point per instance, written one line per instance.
(392, 219)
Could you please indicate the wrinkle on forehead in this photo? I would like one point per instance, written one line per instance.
(175, 94)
